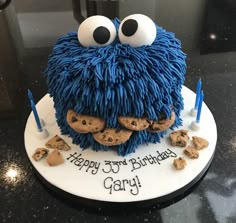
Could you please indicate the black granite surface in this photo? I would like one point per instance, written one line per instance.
(27, 198)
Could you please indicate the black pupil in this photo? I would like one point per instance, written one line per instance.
(129, 27)
(101, 35)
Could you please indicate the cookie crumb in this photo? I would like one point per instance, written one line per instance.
(40, 153)
(55, 158)
(199, 143)
(179, 138)
(179, 163)
(191, 152)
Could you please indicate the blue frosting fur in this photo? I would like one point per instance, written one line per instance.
(117, 80)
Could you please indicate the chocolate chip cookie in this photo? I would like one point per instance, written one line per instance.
(179, 138)
(40, 153)
(112, 137)
(191, 152)
(199, 143)
(135, 124)
(162, 124)
(57, 142)
(84, 123)
(179, 163)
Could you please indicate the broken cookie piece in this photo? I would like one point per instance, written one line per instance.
(179, 138)
(55, 158)
(179, 163)
(191, 152)
(57, 143)
(199, 143)
(40, 153)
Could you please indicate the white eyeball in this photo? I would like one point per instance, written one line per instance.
(137, 30)
(96, 31)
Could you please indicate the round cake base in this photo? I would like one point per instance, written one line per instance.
(104, 176)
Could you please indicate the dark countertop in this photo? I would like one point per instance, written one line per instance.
(26, 197)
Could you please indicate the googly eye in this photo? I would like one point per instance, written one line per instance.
(137, 30)
(96, 31)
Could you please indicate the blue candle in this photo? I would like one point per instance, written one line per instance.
(36, 117)
(198, 92)
(30, 95)
(199, 109)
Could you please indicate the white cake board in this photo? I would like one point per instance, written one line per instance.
(127, 182)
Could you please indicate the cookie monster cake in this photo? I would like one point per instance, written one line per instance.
(117, 84)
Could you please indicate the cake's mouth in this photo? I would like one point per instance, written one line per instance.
(111, 136)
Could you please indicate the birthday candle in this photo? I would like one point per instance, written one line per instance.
(199, 107)
(36, 117)
(198, 92)
(30, 95)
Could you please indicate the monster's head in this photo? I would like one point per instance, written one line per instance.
(117, 85)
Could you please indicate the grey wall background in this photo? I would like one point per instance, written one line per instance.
(36, 18)
(23, 6)
(167, 13)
